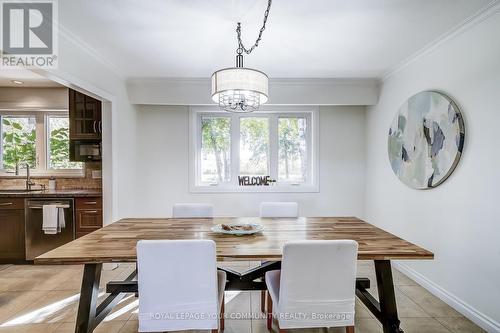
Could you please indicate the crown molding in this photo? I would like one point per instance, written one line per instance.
(487, 11)
(93, 53)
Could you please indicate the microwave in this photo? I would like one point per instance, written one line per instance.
(84, 151)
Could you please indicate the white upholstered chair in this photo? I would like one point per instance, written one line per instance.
(276, 209)
(192, 210)
(179, 286)
(279, 209)
(317, 279)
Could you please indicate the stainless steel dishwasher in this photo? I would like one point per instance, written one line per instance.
(37, 242)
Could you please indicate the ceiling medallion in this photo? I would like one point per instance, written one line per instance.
(241, 89)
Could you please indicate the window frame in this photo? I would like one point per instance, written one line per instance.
(41, 146)
(273, 113)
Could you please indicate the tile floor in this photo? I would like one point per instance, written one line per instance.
(44, 299)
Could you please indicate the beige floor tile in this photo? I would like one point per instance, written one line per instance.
(422, 325)
(428, 302)
(408, 308)
(2, 267)
(38, 277)
(12, 302)
(402, 280)
(130, 326)
(124, 272)
(52, 307)
(236, 325)
(110, 327)
(237, 302)
(361, 311)
(105, 327)
(31, 328)
(125, 308)
(40, 303)
(367, 325)
(460, 325)
(255, 302)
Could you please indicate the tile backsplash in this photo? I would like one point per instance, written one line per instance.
(86, 182)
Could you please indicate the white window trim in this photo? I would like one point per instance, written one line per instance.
(312, 186)
(42, 149)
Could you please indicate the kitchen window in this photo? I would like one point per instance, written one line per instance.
(265, 151)
(39, 139)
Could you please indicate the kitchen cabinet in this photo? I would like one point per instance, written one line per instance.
(85, 120)
(12, 230)
(88, 215)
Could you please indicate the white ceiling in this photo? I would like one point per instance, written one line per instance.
(320, 38)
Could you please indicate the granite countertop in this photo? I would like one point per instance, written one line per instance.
(7, 193)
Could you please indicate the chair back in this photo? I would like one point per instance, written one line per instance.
(177, 284)
(279, 209)
(318, 278)
(192, 210)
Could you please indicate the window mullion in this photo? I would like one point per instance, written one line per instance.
(273, 146)
(1, 142)
(40, 143)
(235, 149)
(309, 147)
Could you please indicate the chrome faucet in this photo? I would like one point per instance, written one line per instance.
(29, 183)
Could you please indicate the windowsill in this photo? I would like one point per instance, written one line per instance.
(45, 174)
(255, 189)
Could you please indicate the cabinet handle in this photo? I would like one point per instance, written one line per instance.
(100, 127)
(90, 202)
(95, 131)
(92, 211)
(6, 204)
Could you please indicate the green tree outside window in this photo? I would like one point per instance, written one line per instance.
(18, 141)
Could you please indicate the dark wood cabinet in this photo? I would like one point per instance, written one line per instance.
(84, 116)
(12, 230)
(88, 215)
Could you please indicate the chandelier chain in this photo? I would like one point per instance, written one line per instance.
(241, 47)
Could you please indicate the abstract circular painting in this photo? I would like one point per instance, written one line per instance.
(426, 139)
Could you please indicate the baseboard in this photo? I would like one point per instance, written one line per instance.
(465, 309)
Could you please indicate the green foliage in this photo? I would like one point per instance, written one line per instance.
(254, 136)
(216, 139)
(18, 143)
(59, 149)
(291, 137)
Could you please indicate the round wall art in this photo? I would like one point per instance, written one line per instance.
(426, 139)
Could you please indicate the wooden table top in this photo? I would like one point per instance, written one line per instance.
(117, 242)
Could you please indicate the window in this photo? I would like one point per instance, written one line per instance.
(40, 139)
(215, 149)
(58, 144)
(18, 141)
(254, 146)
(265, 151)
(292, 149)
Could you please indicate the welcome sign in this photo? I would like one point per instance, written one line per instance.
(255, 180)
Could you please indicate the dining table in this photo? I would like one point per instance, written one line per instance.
(116, 243)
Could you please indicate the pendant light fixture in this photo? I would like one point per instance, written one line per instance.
(241, 89)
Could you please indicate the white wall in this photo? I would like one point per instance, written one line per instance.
(33, 99)
(195, 91)
(163, 167)
(460, 220)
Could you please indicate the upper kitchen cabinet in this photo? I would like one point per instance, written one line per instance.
(85, 117)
